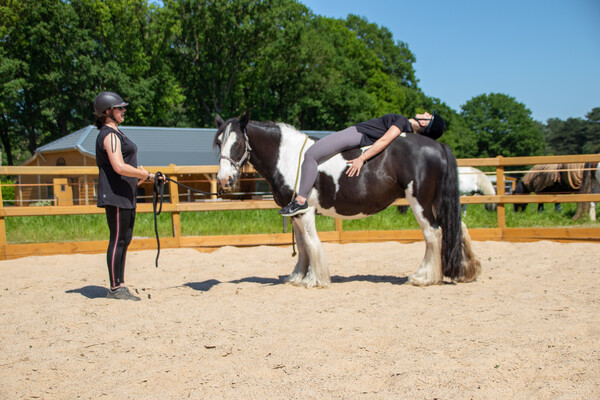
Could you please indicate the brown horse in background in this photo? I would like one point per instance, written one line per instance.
(556, 179)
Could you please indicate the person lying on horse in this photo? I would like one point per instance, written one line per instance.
(377, 133)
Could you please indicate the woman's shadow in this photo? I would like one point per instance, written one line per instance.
(91, 292)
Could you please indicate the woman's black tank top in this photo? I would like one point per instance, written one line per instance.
(114, 189)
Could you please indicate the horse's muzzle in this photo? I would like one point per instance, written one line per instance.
(227, 182)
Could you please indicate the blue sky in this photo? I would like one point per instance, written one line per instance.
(545, 54)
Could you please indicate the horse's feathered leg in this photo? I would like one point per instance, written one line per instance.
(296, 277)
(317, 274)
(470, 265)
(430, 270)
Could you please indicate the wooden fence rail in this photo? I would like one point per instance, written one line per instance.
(208, 243)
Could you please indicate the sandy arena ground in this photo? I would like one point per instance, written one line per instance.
(223, 326)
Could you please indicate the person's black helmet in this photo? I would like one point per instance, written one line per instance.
(436, 127)
(106, 100)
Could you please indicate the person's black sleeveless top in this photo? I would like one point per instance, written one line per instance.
(114, 189)
(376, 128)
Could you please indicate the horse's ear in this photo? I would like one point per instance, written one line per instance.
(219, 121)
(244, 120)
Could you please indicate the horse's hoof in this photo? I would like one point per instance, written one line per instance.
(416, 281)
(318, 285)
(295, 280)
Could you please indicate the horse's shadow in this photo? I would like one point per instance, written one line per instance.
(95, 292)
(91, 292)
(207, 285)
(395, 280)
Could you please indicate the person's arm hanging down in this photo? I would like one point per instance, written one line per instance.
(376, 148)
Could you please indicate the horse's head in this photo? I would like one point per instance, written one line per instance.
(234, 149)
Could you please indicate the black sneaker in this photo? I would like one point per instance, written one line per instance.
(294, 209)
(121, 293)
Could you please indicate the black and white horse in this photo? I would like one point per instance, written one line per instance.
(471, 181)
(413, 166)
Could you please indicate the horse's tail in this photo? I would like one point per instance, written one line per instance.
(583, 209)
(458, 260)
(450, 218)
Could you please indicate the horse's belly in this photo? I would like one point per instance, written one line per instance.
(350, 208)
(332, 212)
(338, 196)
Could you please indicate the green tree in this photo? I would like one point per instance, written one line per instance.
(337, 86)
(503, 126)
(130, 40)
(396, 58)
(273, 86)
(565, 137)
(574, 135)
(217, 46)
(39, 42)
(592, 144)
(10, 83)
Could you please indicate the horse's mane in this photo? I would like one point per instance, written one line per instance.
(275, 125)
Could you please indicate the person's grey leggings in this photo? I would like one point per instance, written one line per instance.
(324, 148)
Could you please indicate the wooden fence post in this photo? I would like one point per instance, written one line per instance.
(2, 229)
(339, 228)
(175, 215)
(500, 192)
(213, 185)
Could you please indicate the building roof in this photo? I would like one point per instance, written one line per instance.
(156, 146)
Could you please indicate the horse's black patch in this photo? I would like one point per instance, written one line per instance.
(351, 154)
(326, 190)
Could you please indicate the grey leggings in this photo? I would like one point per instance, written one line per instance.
(324, 148)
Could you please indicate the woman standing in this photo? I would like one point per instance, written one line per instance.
(119, 176)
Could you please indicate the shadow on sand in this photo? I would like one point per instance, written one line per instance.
(205, 286)
(91, 292)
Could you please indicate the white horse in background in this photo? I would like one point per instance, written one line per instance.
(595, 189)
(472, 181)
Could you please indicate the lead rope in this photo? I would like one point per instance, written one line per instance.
(157, 198)
(157, 201)
(294, 195)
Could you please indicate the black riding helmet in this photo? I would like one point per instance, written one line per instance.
(106, 100)
(436, 127)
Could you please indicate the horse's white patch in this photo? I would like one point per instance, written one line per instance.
(403, 134)
(290, 158)
(290, 167)
(227, 171)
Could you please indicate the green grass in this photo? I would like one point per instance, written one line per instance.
(67, 228)
(239, 222)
